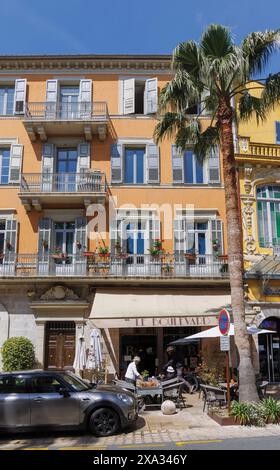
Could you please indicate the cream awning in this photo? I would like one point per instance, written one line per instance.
(142, 308)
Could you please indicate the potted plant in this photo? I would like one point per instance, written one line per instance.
(190, 257)
(45, 244)
(9, 246)
(78, 245)
(156, 249)
(58, 254)
(103, 251)
(119, 253)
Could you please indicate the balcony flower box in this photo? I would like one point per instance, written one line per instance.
(190, 257)
(59, 256)
(122, 255)
(89, 254)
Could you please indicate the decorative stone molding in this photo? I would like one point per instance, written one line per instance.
(248, 173)
(248, 211)
(59, 293)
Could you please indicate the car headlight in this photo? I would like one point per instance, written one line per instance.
(125, 399)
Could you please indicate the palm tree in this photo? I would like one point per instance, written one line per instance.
(213, 74)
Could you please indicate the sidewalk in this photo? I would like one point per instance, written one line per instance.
(189, 424)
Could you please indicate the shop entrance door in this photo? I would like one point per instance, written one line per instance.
(144, 346)
(60, 344)
(269, 350)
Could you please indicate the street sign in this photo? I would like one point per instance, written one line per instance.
(224, 322)
(224, 343)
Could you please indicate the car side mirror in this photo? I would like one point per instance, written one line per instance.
(64, 392)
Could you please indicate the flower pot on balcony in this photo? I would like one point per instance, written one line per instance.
(59, 256)
(122, 255)
(190, 257)
(89, 254)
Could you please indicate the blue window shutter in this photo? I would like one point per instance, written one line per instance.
(277, 127)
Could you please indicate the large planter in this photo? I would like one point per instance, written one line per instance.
(223, 420)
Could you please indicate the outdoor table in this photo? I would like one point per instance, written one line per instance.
(143, 392)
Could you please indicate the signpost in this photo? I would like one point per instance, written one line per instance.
(224, 326)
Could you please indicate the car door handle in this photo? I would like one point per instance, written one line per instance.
(85, 399)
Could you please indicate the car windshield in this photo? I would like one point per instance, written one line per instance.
(78, 384)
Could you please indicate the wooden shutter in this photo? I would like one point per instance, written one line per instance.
(15, 163)
(129, 96)
(151, 96)
(10, 236)
(214, 166)
(85, 98)
(51, 98)
(48, 157)
(83, 163)
(116, 163)
(20, 96)
(177, 165)
(277, 129)
(152, 152)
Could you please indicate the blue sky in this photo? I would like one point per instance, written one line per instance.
(124, 26)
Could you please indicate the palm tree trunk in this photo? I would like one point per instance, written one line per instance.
(247, 381)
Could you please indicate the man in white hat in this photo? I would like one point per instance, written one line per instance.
(132, 373)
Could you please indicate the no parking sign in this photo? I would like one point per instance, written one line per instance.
(224, 322)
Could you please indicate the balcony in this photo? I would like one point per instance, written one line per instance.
(91, 265)
(52, 119)
(256, 151)
(39, 190)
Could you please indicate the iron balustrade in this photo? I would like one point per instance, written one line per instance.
(86, 182)
(112, 266)
(57, 111)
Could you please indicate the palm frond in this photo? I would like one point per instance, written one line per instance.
(251, 106)
(258, 48)
(179, 93)
(186, 57)
(188, 134)
(271, 92)
(217, 42)
(206, 141)
(169, 124)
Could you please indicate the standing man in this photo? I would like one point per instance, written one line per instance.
(132, 373)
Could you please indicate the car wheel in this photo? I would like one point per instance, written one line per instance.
(104, 422)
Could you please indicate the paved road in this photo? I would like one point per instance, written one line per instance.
(252, 443)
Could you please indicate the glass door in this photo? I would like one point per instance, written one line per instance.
(66, 168)
(134, 165)
(69, 97)
(269, 351)
(64, 247)
(135, 236)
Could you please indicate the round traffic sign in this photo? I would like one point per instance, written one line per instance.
(224, 321)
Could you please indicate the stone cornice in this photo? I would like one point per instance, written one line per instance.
(86, 63)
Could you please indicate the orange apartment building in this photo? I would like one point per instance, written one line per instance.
(99, 226)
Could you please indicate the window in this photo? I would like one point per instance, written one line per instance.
(134, 165)
(4, 165)
(139, 96)
(188, 170)
(69, 97)
(203, 237)
(45, 384)
(268, 206)
(12, 384)
(7, 94)
(75, 382)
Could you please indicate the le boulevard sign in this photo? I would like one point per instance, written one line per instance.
(156, 322)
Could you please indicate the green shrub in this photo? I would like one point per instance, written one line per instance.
(18, 354)
(247, 414)
(270, 409)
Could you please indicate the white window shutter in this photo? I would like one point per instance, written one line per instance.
(20, 96)
(10, 236)
(177, 165)
(179, 236)
(129, 96)
(154, 229)
(15, 163)
(152, 152)
(48, 157)
(214, 166)
(217, 234)
(83, 157)
(85, 98)
(151, 96)
(45, 236)
(116, 163)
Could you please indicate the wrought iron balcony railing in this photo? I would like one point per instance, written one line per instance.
(112, 266)
(87, 182)
(81, 111)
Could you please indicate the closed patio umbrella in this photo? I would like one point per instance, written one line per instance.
(80, 356)
(94, 360)
(215, 333)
